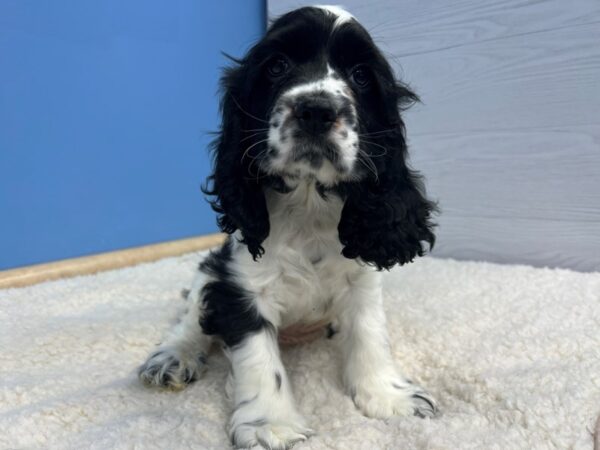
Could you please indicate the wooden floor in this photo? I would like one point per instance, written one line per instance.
(86, 265)
(508, 134)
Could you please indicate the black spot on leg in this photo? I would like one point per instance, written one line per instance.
(185, 293)
(316, 260)
(155, 354)
(229, 310)
(256, 423)
(400, 386)
(278, 380)
(331, 331)
(245, 402)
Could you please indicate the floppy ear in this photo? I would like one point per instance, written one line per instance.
(240, 203)
(386, 217)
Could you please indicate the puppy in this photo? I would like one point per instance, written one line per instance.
(311, 184)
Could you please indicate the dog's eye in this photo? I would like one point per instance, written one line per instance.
(361, 76)
(278, 67)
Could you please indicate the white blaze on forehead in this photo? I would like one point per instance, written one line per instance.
(329, 84)
(342, 15)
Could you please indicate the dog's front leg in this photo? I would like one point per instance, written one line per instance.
(264, 413)
(370, 376)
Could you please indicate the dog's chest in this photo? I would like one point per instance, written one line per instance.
(302, 273)
(311, 279)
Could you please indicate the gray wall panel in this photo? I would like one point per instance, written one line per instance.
(508, 134)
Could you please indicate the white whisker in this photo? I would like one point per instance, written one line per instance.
(377, 133)
(255, 129)
(259, 163)
(246, 112)
(367, 163)
(251, 136)
(251, 147)
(377, 145)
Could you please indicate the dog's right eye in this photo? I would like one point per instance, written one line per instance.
(361, 76)
(278, 67)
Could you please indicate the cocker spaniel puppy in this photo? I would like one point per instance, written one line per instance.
(311, 183)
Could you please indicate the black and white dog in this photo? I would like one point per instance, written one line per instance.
(311, 183)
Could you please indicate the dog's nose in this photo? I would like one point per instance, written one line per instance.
(315, 115)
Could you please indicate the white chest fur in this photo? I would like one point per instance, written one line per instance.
(302, 274)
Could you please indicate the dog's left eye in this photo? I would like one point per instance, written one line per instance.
(361, 76)
(278, 67)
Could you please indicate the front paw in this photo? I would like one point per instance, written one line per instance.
(382, 399)
(250, 429)
(171, 369)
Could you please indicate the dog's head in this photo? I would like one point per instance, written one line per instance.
(315, 98)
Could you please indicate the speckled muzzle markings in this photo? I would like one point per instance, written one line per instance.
(313, 130)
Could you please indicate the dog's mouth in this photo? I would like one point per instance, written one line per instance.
(307, 159)
(329, 157)
(314, 150)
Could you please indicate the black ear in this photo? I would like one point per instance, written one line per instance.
(240, 202)
(386, 217)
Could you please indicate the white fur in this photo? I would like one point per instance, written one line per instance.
(264, 410)
(342, 15)
(303, 278)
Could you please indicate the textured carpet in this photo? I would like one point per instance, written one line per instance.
(512, 353)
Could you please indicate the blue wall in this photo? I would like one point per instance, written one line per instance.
(105, 108)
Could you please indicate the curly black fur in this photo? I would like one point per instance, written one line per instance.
(385, 222)
(387, 218)
(240, 202)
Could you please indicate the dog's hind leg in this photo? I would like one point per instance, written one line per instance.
(181, 358)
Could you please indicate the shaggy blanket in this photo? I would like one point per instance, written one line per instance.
(512, 353)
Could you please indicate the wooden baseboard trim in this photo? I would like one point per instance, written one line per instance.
(85, 265)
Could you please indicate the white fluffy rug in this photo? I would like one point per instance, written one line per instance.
(511, 352)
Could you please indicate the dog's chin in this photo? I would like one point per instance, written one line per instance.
(306, 163)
